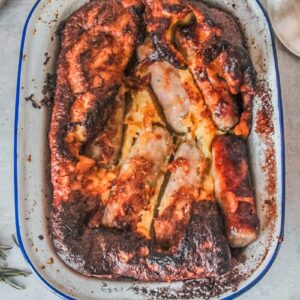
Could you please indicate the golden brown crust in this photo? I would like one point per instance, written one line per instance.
(97, 44)
(220, 65)
(162, 18)
(220, 69)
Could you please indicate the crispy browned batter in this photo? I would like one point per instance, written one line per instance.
(219, 63)
(106, 146)
(96, 45)
(131, 158)
(110, 253)
(163, 17)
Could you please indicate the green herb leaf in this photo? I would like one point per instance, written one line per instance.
(7, 274)
(15, 241)
(14, 284)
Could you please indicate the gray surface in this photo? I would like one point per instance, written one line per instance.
(281, 282)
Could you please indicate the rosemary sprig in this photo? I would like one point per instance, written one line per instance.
(15, 241)
(7, 274)
(14, 284)
(3, 255)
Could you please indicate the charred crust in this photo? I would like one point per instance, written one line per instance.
(188, 31)
(201, 247)
(247, 213)
(108, 252)
(166, 53)
(137, 12)
(233, 66)
(212, 49)
(235, 154)
(97, 117)
(174, 8)
(250, 77)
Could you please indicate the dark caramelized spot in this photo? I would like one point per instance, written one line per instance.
(248, 214)
(173, 225)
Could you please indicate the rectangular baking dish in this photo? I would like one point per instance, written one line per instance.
(39, 48)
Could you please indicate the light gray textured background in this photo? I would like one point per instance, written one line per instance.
(283, 280)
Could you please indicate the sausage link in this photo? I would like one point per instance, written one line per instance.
(137, 179)
(182, 190)
(234, 189)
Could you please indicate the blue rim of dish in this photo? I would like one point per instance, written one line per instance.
(25, 255)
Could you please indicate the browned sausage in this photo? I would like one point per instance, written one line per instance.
(137, 179)
(182, 190)
(234, 189)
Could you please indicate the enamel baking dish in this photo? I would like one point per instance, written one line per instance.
(39, 47)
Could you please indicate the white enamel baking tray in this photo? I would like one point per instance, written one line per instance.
(31, 159)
